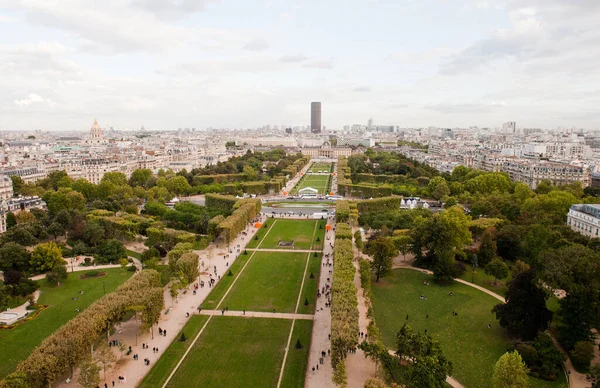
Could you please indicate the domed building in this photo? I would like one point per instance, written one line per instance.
(96, 133)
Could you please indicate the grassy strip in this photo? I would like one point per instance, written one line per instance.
(163, 367)
(297, 359)
(211, 301)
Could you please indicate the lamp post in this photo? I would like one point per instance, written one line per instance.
(104, 287)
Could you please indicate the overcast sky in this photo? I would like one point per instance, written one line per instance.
(244, 63)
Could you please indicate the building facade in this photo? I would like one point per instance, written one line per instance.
(315, 117)
(585, 219)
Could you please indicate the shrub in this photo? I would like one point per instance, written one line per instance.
(298, 344)
(306, 302)
(182, 337)
(582, 354)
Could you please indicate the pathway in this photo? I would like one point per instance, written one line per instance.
(81, 268)
(172, 322)
(321, 326)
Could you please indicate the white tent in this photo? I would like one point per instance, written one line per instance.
(308, 190)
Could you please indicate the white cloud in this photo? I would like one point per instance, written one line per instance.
(257, 44)
(319, 64)
(30, 99)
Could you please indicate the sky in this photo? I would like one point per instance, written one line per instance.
(167, 64)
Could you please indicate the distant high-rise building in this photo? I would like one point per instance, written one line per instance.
(315, 117)
(370, 123)
(509, 127)
(288, 130)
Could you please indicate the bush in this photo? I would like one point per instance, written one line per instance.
(229, 273)
(92, 274)
(582, 354)
(306, 302)
(182, 337)
(298, 344)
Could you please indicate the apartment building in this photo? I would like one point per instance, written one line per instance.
(585, 219)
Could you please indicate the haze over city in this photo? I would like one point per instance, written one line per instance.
(226, 64)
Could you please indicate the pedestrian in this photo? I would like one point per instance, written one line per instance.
(222, 312)
(105, 385)
(165, 332)
(313, 369)
(317, 366)
(113, 383)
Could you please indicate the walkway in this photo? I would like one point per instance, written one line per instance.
(257, 314)
(321, 326)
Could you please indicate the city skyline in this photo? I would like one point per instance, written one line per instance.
(219, 64)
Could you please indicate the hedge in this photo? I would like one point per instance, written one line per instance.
(344, 305)
(244, 211)
(379, 204)
(342, 211)
(222, 203)
(343, 230)
(217, 178)
(188, 266)
(72, 342)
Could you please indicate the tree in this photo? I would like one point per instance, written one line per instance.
(383, 251)
(438, 188)
(111, 251)
(106, 357)
(582, 354)
(510, 371)
(93, 234)
(56, 229)
(11, 220)
(497, 268)
(575, 269)
(140, 177)
(116, 178)
(358, 240)
(427, 366)
(25, 217)
(45, 256)
(17, 183)
(403, 243)
(17, 379)
(14, 257)
(89, 374)
(509, 242)
(58, 274)
(524, 314)
(178, 185)
(487, 248)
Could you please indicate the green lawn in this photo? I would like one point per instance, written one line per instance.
(486, 281)
(270, 281)
(318, 182)
(319, 236)
(260, 234)
(135, 254)
(235, 352)
(162, 368)
(325, 167)
(298, 231)
(466, 339)
(297, 359)
(212, 300)
(309, 291)
(17, 344)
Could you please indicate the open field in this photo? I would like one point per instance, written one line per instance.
(235, 352)
(486, 281)
(466, 339)
(17, 343)
(157, 376)
(298, 231)
(294, 373)
(318, 182)
(211, 301)
(271, 280)
(324, 167)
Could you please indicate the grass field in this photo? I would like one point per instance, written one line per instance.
(235, 352)
(157, 376)
(270, 281)
(318, 182)
(325, 167)
(466, 339)
(260, 234)
(211, 301)
(297, 359)
(486, 281)
(309, 291)
(298, 231)
(17, 344)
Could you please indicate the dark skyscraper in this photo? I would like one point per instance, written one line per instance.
(315, 117)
